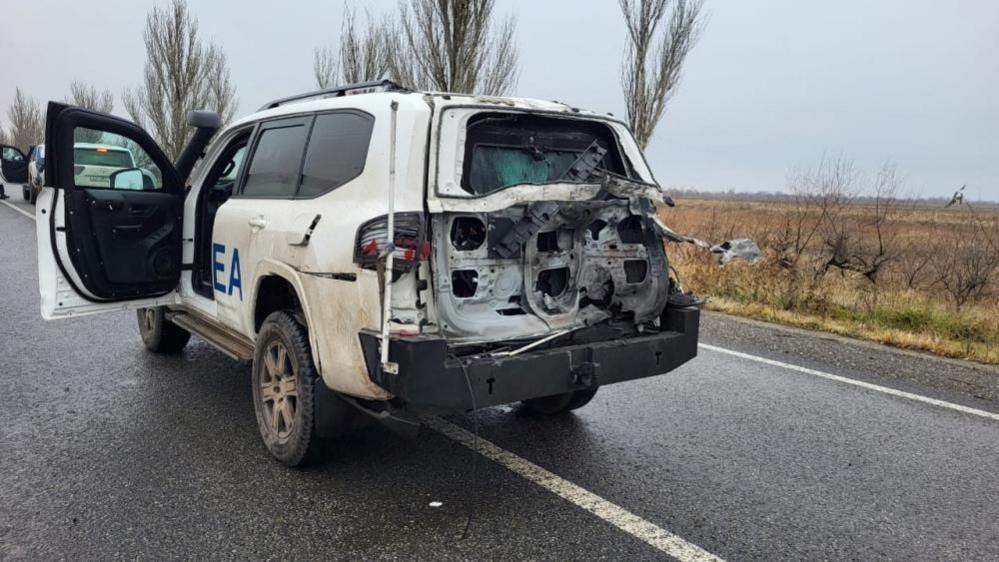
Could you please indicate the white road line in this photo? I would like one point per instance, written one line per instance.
(861, 384)
(19, 210)
(621, 518)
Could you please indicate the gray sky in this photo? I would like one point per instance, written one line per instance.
(772, 86)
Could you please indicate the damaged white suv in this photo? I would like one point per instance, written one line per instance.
(526, 260)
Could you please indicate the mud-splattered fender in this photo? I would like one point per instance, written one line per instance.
(272, 268)
(336, 308)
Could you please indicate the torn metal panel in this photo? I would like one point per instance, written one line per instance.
(592, 261)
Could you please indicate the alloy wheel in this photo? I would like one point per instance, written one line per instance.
(278, 391)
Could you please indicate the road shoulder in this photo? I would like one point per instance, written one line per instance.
(967, 382)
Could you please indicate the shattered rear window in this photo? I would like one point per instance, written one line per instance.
(504, 149)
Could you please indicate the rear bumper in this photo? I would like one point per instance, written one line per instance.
(430, 379)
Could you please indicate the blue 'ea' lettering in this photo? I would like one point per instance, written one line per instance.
(235, 276)
(235, 272)
(217, 266)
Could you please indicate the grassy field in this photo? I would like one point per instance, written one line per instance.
(935, 280)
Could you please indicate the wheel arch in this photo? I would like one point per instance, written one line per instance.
(279, 287)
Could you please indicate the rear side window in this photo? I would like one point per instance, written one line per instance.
(276, 161)
(337, 150)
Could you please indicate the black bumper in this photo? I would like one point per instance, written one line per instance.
(430, 378)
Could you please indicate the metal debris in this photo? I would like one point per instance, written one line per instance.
(739, 248)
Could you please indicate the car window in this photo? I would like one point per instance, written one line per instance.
(11, 154)
(337, 150)
(224, 174)
(506, 149)
(110, 161)
(102, 156)
(235, 164)
(276, 161)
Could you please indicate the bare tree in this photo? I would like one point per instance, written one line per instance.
(181, 74)
(86, 96)
(89, 97)
(325, 67)
(453, 46)
(27, 122)
(362, 55)
(660, 35)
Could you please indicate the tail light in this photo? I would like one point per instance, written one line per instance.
(411, 244)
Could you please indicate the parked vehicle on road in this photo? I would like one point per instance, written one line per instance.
(94, 163)
(36, 173)
(375, 253)
(13, 168)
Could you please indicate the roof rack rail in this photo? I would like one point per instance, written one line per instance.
(346, 90)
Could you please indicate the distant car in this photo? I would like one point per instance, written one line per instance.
(94, 163)
(36, 173)
(13, 167)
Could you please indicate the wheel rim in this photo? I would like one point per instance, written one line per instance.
(278, 391)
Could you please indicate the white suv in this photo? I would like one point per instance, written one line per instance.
(526, 261)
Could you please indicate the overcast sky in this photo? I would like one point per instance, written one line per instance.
(772, 86)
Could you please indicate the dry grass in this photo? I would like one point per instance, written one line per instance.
(907, 304)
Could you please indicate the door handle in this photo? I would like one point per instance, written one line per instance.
(258, 223)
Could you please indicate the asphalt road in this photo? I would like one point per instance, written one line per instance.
(110, 452)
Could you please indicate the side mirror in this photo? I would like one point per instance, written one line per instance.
(204, 120)
(129, 178)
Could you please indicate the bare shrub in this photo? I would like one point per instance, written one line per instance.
(182, 73)
(453, 46)
(914, 261)
(660, 35)
(818, 199)
(966, 260)
(866, 244)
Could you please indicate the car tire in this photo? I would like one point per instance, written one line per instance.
(560, 403)
(284, 379)
(160, 335)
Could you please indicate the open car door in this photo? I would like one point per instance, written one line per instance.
(13, 164)
(109, 217)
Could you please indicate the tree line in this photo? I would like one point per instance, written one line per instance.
(438, 45)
